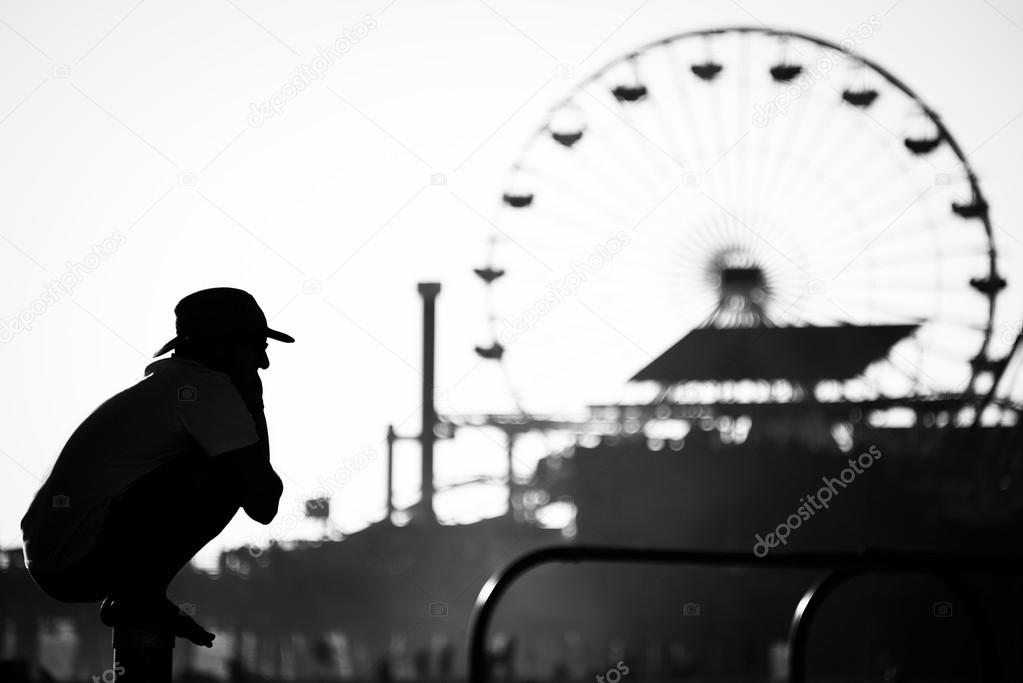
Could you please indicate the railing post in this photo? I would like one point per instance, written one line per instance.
(806, 610)
(143, 655)
(809, 605)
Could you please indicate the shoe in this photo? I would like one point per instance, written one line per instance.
(165, 616)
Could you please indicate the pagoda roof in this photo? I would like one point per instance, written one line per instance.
(798, 354)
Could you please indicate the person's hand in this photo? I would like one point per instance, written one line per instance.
(263, 496)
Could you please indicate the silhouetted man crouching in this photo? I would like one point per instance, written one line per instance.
(159, 469)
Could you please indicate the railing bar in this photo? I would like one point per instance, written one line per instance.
(863, 561)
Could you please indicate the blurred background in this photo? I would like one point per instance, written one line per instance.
(690, 260)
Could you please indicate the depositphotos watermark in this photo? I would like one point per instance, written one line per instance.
(559, 290)
(814, 502)
(305, 74)
(110, 675)
(615, 673)
(63, 285)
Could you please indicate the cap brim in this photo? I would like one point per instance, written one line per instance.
(272, 334)
(279, 336)
(168, 346)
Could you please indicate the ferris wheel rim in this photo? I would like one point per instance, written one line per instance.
(967, 395)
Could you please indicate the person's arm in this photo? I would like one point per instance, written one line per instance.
(265, 487)
(263, 491)
(260, 485)
(228, 422)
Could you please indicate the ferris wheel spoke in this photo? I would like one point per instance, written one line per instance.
(721, 142)
(597, 205)
(624, 116)
(763, 239)
(820, 180)
(884, 196)
(779, 128)
(851, 150)
(768, 135)
(911, 257)
(893, 245)
(683, 95)
(884, 231)
(856, 221)
(590, 213)
(863, 156)
(785, 182)
(609, 207)
(739, 135)
(576, 178)
(640, 173)
(833, 156)
(677, 153)
(648, 187)
(622, 181)
(893, 252)
(889, 205)
(620, 186)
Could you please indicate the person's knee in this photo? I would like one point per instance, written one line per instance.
(75, 584)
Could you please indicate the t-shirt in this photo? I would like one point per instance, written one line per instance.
(178, 406)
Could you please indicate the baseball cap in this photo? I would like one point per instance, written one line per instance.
(219, 311)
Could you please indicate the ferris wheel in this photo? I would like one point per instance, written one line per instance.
(737, 177)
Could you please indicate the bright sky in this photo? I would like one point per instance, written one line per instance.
(134, 122)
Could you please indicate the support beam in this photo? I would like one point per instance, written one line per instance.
(429, 292)
(511, 472)
(391, 437)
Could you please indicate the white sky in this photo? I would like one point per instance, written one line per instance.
(134, 117)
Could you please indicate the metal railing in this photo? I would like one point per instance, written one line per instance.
(949, 568)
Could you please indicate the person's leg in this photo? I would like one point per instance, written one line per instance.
(162, 520)
(82, 581)
(153, 529)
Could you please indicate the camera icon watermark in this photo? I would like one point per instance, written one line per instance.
(691, 179)
(186, 609)
(943, 179)
(187, 179)
(942, 609)
(60, 71)
(438, 179)
(564, 70)
(188, 393)
(61, 501)
(438, 610)
(312, 287)
(816, 286)
(691, 609)
(1010, 331)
